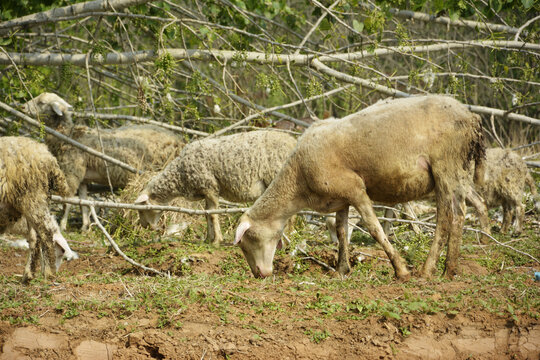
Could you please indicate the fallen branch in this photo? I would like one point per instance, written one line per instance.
(114, 205)
(131, 57)
(117, 249)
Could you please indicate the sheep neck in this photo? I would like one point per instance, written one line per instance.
(168, 185)
(282, 199)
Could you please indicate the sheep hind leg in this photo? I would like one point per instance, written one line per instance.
(508, 214)
(213, 234)
(362, 203)
(40, 220)
(342, 223)
(455, 236)
(442, 231)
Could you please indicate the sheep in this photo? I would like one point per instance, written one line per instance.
(392, 152)
(146, 147)
(28, 174)
(236, 167)
(505, 178)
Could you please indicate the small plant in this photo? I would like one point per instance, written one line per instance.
(317, 336)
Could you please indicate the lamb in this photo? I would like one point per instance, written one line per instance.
(506, 176)
(237, 167)
(146, 147)
(391, 152)
(28, 174)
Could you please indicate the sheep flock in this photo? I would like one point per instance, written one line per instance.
(395, 151)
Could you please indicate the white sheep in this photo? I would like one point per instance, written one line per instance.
(145, 147)
(237, 167)
(28, 174)
(391, 152)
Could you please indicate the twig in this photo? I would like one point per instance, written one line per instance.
(117, 249)
(502, 244)
(524, 26)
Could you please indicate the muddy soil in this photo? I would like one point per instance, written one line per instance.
(281, 318)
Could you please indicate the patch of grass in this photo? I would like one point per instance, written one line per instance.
(317, 336)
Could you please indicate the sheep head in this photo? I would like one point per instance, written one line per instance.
(55, 110)
(147, 218)
(258, 241)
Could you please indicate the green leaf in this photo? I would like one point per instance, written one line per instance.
(358, 25)
(391, 315)
(527, 4)
(325, 25)
(5, 41)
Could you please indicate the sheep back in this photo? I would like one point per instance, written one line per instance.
(397, 146)
(145, 147)
(26, 166)
(237, 167)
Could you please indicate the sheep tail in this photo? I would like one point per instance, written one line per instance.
(57, 181)
(532, 185)
(477, 152)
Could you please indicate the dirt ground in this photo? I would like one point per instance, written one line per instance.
(99, 307)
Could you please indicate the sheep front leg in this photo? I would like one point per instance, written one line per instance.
(85, 211)
(30, 268)
(342, 223)
(213, 234)
(64, 221)
(365, 208)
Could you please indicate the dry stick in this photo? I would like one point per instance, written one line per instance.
(526, 145)
(120, 252)
(67, 139)
(109, 204)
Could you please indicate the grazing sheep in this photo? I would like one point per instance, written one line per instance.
(506, 176)
(28, 174)
(145, 147)
(237, 167)
(392, 152)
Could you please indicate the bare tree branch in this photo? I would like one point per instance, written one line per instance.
(126, 58)
(71, 10)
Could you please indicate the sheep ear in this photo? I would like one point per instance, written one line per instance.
(142, 199)
(280, 244)
(240, 230)
(56, 107)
